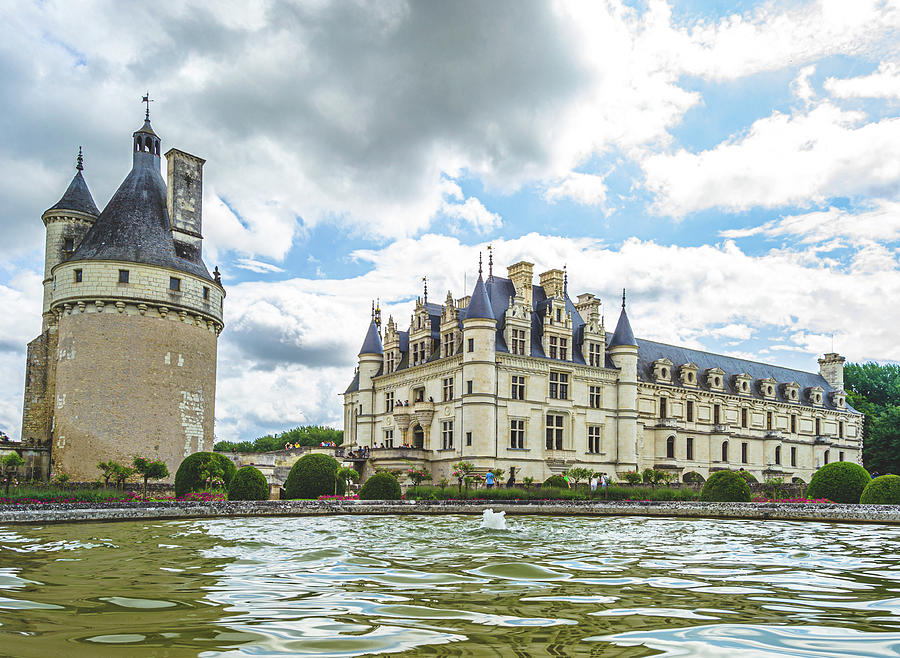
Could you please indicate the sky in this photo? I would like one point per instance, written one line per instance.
(734, 165)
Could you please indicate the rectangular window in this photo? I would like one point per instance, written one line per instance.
(564, 349)
(77, 276)
(778, 454)
(593, 438)
(793, 455)
(206, 293)
(743, 418)
(689, 448)
(559, 386)
(662, 407)
(841, 430)
(69, 244)
(416, 355)
(793, 424)
(717, 414)
(518, 387)
(389, 438)
(841, 456)
(554, 347)
(174, 284)
(744, 453)
(390, 361)
(818, 427)
(770, 420)
(448, 389)
(594, 397)
(123, 276)
(389, 402)
(447, 435)
(554, 432)
(471, 345)
(518, 341)
(447, 344)
(826, 456)
(690, 411)
(517, 434)
(420, 395)
(469, 386)
(468, 438)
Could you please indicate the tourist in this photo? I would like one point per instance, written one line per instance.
(511, 482)
(593, 483)
(489, 479)
(604, 481)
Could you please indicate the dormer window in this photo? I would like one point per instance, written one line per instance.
(688, 374)
(715, 378)
(595, 354)
(742, 383)
(814, 394)
(791, 392)
(767, 387)
(837, 399)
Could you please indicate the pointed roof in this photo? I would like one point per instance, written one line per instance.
(372, 343)
(623, 334)
(77, 196)
(480, 304)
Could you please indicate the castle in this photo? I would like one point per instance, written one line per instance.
(125, 364)
(518, 376)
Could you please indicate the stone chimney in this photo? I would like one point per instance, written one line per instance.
(552, 283)
(184, 196)
(831, 367)
(522, 275)
(588, 307)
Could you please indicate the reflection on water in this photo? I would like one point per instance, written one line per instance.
(346, 586)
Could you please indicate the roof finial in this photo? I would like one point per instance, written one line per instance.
(490, 249)
(623, 299)
(565, 280)
(79, 162)
(146, 99)
(479, 263)
(378, 312)
(373, 309)
(425, 283)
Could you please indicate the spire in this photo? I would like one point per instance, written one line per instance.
(77, 196)
(146, 99)
(565, 281)
(480, 304)
(372, 343)
(623, 335)
(490, 262)
(79, 161)
(479, 263)
(145, 142)
(425, 294)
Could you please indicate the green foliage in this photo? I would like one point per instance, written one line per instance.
(308, 435)
(381, 486)
(312, 476)
(693, 477)
(725, 487)
(11, 463)
(108, 470)
(197, 470)
(555, 482)
(577, 474)
(874, 390)
(150, 469)
(883, 490)
(633, 477)
(49, 494)
(749, 478)
(346, 475)
(611, 493)
(248, 484)
(841, 482)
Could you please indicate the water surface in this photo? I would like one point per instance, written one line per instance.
(441, 585)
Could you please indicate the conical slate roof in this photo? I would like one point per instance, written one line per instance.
(480, 304)
(623, 334)
(77, 197)
(372, 343)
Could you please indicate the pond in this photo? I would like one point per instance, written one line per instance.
(443, 585)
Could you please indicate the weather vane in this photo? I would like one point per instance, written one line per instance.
(146, 99)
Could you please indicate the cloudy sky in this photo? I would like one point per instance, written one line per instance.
(735, 165)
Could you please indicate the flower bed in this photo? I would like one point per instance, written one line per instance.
(328, 497)
(102, 497)
(762, 499)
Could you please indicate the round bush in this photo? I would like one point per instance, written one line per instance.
(725, 487)
(189, 475)
(556, 482)
(312, 476)
(693, 477)
(841, 482)
(381, 486)
(749, 478)
(248, 484)
(883, 490)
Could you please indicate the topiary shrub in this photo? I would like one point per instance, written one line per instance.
(725, 487)
(381, 486)
(193, 472)
(248, 484)
(556, 482)
(749, 478)
(883, 490)
(312, 476)
(841, 482)
(693, 477)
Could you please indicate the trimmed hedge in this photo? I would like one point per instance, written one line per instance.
(749, 478)
(312, 476)
(188, 477)
(248, 484)
(381, 486)
(840, 482)
(693, 477)
(725, 487)
(883, 490)
(556, 482)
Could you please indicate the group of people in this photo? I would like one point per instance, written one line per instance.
(603, 481)
(361, 453)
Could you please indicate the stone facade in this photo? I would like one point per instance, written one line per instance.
(533, 384)
(126, 361)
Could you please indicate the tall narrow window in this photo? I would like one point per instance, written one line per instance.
(690, 411)
(594, 397)
(662, 407)
(777, 454)
(78, 276)
(841, 456)
(206, 293)
(564, 349)
(593, 438)
(68, 245)
(518, 387)
(793, 423)
(448, 389)
(390, 361)
(818, 427)
(670, 448)
(517, 434)
(841, 430)
(123, 276)
(447, 435)
(826, 456)
(554, 432)
(389, 438)
(470, 345)
(559, 385)
(554, 347)
(469, 386)
(793, 455)
(744, 447)
(724, 451)
(717, 414)
(518, 341)
(595, 356)
(689, 448)
(174, 284)
(770, 420)
(389, 402)
(468, 438)
(744, 418)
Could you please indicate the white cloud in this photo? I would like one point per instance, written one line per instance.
(795, 159)
(473, 212)
(883, 83)
(257, 266)
(801, 85)
(586, 189)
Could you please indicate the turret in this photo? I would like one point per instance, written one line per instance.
(623, 350)
(371, 355)
(480, 371)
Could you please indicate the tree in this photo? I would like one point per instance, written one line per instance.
(345, 475)
(578, 473)
(11, 463)
(122, 473)
(461, 472)
(874, 390)
(150, 470)
(109, 469)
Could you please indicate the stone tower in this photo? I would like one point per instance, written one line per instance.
(479, 373)
(126, 361)
(623, 350)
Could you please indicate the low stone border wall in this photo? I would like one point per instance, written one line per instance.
(42, 514)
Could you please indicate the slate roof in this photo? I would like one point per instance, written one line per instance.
(650, 351)
(134, 226)
(480, 304)
(623, 335)
(77, 197)
(372, 343)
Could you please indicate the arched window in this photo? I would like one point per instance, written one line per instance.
(826, 456)
(670, 447)
(777, 454)
(724, 451)
(157, 147)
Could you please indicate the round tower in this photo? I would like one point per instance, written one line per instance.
(479, 330)
(139, 317)
(623, 350)
(371, 355)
